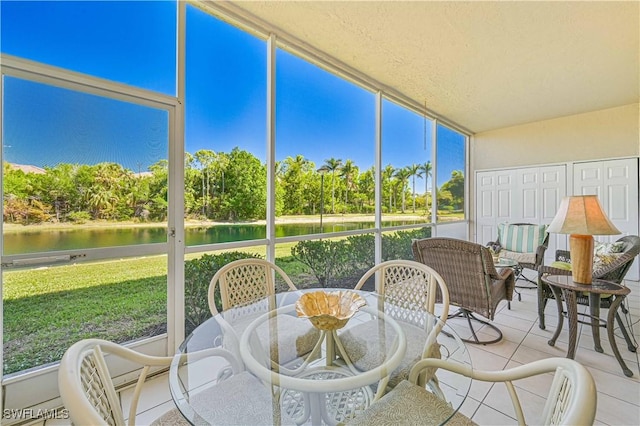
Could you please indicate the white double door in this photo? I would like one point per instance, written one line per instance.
(527, 195)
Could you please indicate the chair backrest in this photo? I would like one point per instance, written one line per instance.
(409, 285)
(572, 397)
(466, 267)
(617, 270)
(524, 242)
(85, 383)
(522, 237)
(244, 281)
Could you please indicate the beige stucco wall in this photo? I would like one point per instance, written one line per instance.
(609, 133)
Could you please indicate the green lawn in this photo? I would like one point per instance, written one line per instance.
(48, 309)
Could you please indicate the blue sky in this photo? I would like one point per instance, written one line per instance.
(318, 114)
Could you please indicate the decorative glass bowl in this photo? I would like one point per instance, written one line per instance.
(329, 310)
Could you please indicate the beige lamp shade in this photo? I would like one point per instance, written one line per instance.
(582, 215)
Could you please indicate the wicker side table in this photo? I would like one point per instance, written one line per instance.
(564, 284)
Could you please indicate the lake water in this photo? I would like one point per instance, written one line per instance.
(83, 238)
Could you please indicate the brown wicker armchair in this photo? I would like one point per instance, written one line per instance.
(614, 272)
(473, 282)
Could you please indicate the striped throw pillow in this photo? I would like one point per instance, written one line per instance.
(521, 238)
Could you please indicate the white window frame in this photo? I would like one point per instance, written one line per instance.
(14, 386)
(45, 379)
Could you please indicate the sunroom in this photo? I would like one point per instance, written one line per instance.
(146, 144)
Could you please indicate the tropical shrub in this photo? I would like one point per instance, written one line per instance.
(197, 276)
(346, 260)
(361, 252)
(398, 245)
(327, 259)
(79, 217)
(26, 212)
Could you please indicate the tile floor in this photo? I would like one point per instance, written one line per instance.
(524, 341)
(488, 404)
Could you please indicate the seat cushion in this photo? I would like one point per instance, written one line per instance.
(296, 336)
(602, 260)
(366, 352)
(519, 257)
(408, 404)
(241, 399)
(521, 238)
(608, 248)
(566, 266)
(171, 418)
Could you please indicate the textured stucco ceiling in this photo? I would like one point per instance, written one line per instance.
(483, 65)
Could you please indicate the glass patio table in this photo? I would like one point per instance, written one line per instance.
(323, 386)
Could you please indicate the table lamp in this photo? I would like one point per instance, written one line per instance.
(581, 217)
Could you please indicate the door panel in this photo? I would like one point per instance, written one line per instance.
(615, 182)
(505, 193)
(527, 189)
(505, 205)
(485, 206)
(485, 197)
(553, 190)
(530, 205)
(618, 203)
(486, 233)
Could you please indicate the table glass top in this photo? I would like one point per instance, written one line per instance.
(596, 286)
(263, 362)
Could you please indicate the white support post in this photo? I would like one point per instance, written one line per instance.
(271, 148)
(378, 180)
(176, 235)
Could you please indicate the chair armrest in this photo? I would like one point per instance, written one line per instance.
(616, 270)
(495, 245)
(507, 275)
(570, 411)
(550, 270)
(540, 254)
(613, 272)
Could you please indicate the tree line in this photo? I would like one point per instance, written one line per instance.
(218, 186)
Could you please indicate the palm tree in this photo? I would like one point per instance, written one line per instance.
(293, 179)
(387, 174)
(332, 165)
(222, 163)
(367, 184)
(403, 176)
(414, 170)
(206, 158)
(428, 172)
(348, 172)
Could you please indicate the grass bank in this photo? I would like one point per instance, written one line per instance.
(91, 224)
(47, 309)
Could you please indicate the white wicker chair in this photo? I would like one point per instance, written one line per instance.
(408, 289)
(571, 400)
(246, 281)
(86, 387)
(89, 394)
